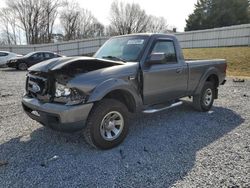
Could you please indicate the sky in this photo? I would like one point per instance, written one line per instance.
(175, 11)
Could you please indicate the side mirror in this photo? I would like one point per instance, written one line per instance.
(156, 58)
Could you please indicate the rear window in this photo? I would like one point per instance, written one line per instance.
(48, 55)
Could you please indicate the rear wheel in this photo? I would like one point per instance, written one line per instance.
(106, 126)
(204, 101)
(22, 66)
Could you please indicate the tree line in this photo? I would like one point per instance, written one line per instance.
(218, 13)
(36, 20)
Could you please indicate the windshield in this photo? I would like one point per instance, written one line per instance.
(126, 48)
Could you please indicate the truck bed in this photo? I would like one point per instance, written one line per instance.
(198, 68)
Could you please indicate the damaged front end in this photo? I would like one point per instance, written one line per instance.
(50, 87)
(48, 80)
(60, 93)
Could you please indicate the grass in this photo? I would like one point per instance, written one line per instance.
(238, 58)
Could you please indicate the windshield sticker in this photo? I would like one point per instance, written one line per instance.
(136, 41)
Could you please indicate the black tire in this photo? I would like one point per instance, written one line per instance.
(93, 132)
(199, 101)
(22, 66)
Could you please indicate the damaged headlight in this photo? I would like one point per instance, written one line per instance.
(69, 96)
(62, 91)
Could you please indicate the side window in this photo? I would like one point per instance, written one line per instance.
(48, 55)
(166, 47)
(37, 56)
(2, 54)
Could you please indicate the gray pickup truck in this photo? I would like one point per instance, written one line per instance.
(128, 74)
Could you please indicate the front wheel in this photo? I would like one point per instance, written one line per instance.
(204, 101)
(106, 126)
(22, 66)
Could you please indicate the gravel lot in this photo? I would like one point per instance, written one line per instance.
(175, 148)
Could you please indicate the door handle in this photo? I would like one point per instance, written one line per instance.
(179, 70)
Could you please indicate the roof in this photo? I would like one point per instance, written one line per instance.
(147, 35)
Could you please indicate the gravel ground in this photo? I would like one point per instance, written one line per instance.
(175, 148)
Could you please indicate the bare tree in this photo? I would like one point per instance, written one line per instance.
(89, 26)
(10, 30)
(69, 19)
(48, 17)
(79, 23)
(127, 18)
(36, 18)
(157, 25)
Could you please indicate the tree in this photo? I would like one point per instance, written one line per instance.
(218, 13)
(89, 26)
(69, 19)
(36, 18)
(79, 23)
(127, 18)
(233, 12)
(157, 25)
(48, 17)
(9, 27)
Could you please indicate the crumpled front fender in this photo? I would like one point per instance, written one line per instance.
(111, 85)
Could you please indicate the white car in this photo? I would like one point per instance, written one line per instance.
(6, 56)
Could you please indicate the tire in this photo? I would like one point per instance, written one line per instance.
(204, 101)
(22, 66)
(106, 117)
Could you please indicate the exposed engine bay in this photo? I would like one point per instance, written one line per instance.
(78, 67)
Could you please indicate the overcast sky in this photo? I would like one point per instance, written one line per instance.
(175, 11)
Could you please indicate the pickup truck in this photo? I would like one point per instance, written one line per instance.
(128, 74)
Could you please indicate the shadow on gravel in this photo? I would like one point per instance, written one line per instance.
(159, 150)
(10, 70)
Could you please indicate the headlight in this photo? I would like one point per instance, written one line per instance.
(69, 96)
(62, 91)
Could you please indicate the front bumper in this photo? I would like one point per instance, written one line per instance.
(11, 64)
(57, 116)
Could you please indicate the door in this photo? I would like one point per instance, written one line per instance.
(165, 81)
(35, 58)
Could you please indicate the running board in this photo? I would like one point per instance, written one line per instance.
(150, 111)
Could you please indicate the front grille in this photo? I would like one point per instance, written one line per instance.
(37, 87)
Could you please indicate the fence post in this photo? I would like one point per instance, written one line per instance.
(192, 40)
(100, 42)
(249, 36)
(218, 38)
(78, 47)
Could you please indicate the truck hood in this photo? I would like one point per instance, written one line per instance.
(88, 81)
(85, 73)
(61, 62)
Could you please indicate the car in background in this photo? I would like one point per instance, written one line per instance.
(23, 63)
(6, 56)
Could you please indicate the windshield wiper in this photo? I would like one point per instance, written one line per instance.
(114, 58)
